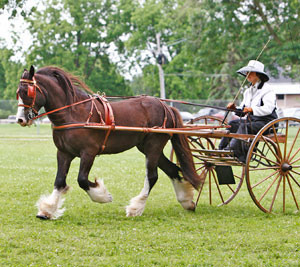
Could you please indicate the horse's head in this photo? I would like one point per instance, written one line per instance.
(31, 98)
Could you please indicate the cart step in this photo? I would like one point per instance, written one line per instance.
(217, 157)
(214, 152)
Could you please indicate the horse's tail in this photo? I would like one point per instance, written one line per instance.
(184, 155)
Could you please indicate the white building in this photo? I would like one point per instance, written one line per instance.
(287, 92)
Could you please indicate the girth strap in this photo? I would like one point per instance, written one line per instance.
(167, 109)
(109, 118)
(108, 111)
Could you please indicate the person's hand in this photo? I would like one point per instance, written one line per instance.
(231, 106)
(247, 110)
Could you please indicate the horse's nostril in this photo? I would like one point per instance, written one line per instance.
(20, 120)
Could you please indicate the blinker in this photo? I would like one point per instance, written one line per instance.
(31, 91)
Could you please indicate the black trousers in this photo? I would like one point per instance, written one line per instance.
(241, 126)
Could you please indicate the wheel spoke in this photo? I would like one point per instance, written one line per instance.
(230, 188)
(269, 187)
(203, 166)
(204, 172)
(296, 182)
(275, 194)
(276, 158)
(200, 190)
(286, 137)
(292, 191)
(277, 142)
(283, 194)
(192, 143)
(205, 163)
(295, 172)
(237, 177)
(218, 187)
(210, 195)
(295, 154)
(295, 161)
(267, 159)
(271, 149)
(293, 144)
(265, 168)
(265, 179)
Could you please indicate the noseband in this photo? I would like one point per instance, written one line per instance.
(31, 92)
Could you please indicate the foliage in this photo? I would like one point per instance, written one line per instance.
(220, 37)
(11, 5)
(205, 42)
(91, 234)
(10, 73)
(7, 107)
(74, 35)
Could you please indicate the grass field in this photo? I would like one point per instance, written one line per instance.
(91, 234)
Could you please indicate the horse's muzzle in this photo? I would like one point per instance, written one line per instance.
(23, 122)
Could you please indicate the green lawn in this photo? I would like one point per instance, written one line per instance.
(91, 234)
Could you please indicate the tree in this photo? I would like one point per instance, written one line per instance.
(225, 35)
(10, 73)
(11, 5)
(220, 37)
(205, 42)
(74, 35)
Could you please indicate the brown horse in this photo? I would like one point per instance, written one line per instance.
(69, 108)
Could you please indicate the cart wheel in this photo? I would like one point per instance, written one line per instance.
(273, 166)
(202, 120)
(212, 192)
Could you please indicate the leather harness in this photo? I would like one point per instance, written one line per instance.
(109, 119)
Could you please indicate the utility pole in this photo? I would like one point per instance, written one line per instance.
(160, 60)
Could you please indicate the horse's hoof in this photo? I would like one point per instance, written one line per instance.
(43, 217)
(192, 207)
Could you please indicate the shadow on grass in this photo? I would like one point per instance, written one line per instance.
(156, 213)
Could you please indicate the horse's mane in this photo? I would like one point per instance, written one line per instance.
(67, 81)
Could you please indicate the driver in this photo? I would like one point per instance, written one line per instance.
(257, 109)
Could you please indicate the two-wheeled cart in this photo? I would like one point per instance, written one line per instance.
(272, 167)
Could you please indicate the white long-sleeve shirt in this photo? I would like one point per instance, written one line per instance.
(253, 98)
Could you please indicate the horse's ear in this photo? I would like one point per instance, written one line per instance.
(31, 72)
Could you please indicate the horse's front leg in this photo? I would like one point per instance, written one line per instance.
(50, 206)
(97, 191)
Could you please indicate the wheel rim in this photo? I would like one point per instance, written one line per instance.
(273, 167)
(212, 192)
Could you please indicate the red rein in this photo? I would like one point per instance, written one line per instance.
(108, 112)
(109, 116)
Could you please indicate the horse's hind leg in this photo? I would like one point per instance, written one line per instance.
(152, 149)
(183, 189)
(97, 191)
(50, 207)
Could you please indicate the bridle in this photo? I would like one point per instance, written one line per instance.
(31, 93)
(109, 118)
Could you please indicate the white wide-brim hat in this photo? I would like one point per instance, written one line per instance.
(254, 66)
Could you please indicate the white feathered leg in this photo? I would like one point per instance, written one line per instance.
(99, 193)
(137, 204)
(184, 194)
(49, 206)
